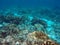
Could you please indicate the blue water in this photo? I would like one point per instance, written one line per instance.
(53, 4)
(29, 3)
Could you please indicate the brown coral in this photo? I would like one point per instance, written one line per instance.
(50, 42)
(40, 38)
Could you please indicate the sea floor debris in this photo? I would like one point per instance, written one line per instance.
(22, 28)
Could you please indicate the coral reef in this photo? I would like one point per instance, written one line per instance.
(34, 38)
(23, 27)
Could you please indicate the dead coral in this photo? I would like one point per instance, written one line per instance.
(9, 30)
